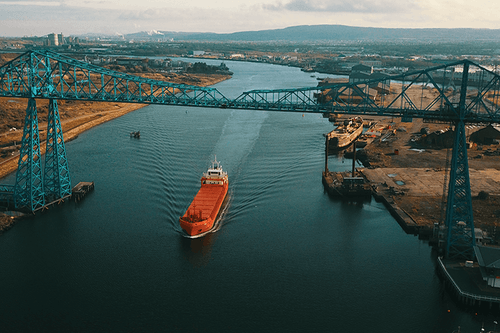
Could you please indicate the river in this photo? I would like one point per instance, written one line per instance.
(287, 258)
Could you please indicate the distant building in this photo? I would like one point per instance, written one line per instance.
(197, 53)
(157, 63)
(361, 76)
(372, 63)
(488, 135)
(52, 40)
(130, 61)
(362, 69)
(360, 73)
(441, 138)
(60, 39)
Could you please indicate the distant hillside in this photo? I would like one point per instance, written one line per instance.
(330, 33)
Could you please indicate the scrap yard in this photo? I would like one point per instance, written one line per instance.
(409, 172)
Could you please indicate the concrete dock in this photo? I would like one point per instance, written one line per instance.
(414, 195)
(467, 284)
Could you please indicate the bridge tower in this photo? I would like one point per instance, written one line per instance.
(34, 186)
(459, 219)
(28, 189)
(56, 177)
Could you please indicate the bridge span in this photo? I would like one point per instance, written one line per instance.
(457, 93)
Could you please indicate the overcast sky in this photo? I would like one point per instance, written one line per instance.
(41, 17)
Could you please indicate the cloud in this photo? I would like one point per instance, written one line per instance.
(342, 6)
(32, 3)
(147, 14)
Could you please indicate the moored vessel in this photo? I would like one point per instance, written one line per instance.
(201, 216)
(345, 133)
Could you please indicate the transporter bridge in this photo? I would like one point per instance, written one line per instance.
(458, 93)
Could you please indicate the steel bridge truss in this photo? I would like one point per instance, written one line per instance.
(433, 94)
(458, 93)
(45, 74)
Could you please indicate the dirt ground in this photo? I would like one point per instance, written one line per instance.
(426, 210)
(382, 154)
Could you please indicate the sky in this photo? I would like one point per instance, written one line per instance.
(71, 17)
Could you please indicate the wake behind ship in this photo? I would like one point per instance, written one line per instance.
(202, 214)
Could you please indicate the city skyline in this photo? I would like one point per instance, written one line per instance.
(70, 17)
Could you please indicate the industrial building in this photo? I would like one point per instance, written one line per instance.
(487, 135)
(489, 264)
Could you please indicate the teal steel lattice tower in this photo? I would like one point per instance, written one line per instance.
(32, 190)
(28, 189)
(56, 177)
(459, 219)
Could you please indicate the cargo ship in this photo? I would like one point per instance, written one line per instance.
(345, 133)
(201, 216)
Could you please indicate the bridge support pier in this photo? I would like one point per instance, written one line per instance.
(459, 218)
(56, 178)
(461, 237)
(28, 189)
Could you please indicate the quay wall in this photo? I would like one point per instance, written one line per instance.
(466, 298)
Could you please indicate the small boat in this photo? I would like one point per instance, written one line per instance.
(345, 133)
(203, 213)
(135, 134)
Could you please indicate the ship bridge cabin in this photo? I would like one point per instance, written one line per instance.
(214, 172)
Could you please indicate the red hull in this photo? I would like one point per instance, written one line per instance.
(203, 211)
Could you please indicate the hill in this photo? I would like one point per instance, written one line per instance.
(310, 33)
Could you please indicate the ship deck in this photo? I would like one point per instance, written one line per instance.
(206, 201)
